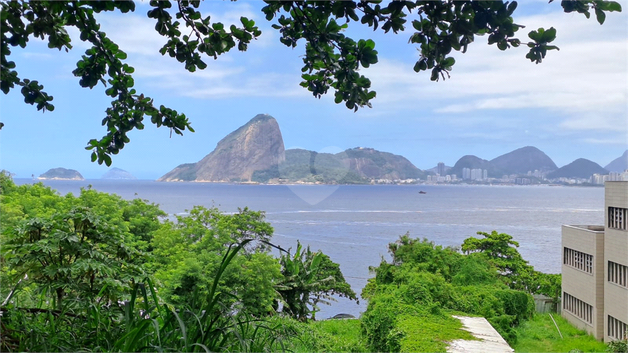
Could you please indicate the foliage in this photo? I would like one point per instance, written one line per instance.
(500, 248)
(501, 251)
(393, 325)
(344, 335)
(143, 324)
(72, 250)
(331, 60)
(425, 278)
(618, 346)
(319, 336)
(76, 255)
(187, 254)
(540, 335)
(310, 278)
(430, 333)
(89, 260)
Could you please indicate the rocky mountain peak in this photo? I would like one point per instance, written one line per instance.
(256, 145)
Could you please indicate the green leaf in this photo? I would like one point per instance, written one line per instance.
(613, 6)
(600, 15)
(549, 35)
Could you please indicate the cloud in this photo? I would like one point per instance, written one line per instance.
(596, 121)
(233, 74)
(582, 86)
(606, 141)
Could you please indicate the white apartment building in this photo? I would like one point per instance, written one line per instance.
(595, 269)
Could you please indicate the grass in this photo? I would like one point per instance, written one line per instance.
(418, 333)
(540, 335)
(345, 335)
(431, 333)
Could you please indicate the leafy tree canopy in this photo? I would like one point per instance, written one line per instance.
(331, 60)
(72, 249)
(188, 254)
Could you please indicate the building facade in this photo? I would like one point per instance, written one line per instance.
(595, 269)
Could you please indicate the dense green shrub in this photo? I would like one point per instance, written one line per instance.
(431, 279)
(380, 321)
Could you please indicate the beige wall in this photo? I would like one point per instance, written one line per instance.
(616, 250)
(583, 285)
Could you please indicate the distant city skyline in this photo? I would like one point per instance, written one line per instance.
(573, 105)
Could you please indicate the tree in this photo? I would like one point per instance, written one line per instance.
(331, 61)
(501, 251)
(309, 278)
(89, 247)
(188, 254)
(74, 255)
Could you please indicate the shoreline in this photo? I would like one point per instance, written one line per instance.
(316, 184)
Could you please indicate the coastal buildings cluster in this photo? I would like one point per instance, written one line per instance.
(600, 179)
(480, 176)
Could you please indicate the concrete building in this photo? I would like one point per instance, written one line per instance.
(616, 260)
(441, 168)
(466, 173)
(595, 269)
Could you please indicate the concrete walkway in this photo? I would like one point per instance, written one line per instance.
(490, 340)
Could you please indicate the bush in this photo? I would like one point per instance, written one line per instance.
(379, 322)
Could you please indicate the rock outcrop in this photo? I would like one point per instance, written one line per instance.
(257, 145)
(61, 174)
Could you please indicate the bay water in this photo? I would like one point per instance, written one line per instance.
(353, 224)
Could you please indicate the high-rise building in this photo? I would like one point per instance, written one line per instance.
(466, 173)
(441, 168)
(595, 269)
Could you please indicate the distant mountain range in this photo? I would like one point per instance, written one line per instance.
(353, 166)
(255, 153)
(519, 161)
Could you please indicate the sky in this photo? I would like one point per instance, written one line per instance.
(573, 105)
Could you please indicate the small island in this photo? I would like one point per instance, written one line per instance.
(118, 174)
(61, 174)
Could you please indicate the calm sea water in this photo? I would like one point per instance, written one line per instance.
(354, 224)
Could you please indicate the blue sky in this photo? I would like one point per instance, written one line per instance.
(573, 105)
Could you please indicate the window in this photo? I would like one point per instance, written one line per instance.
(618, 274)
(617, 218)
(577, 307)
(616, 328)
(577, 259)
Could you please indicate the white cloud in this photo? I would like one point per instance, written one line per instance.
(585, 84)
(607, 141)
(232, 74)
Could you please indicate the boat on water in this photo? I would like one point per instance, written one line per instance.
(422, 192)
